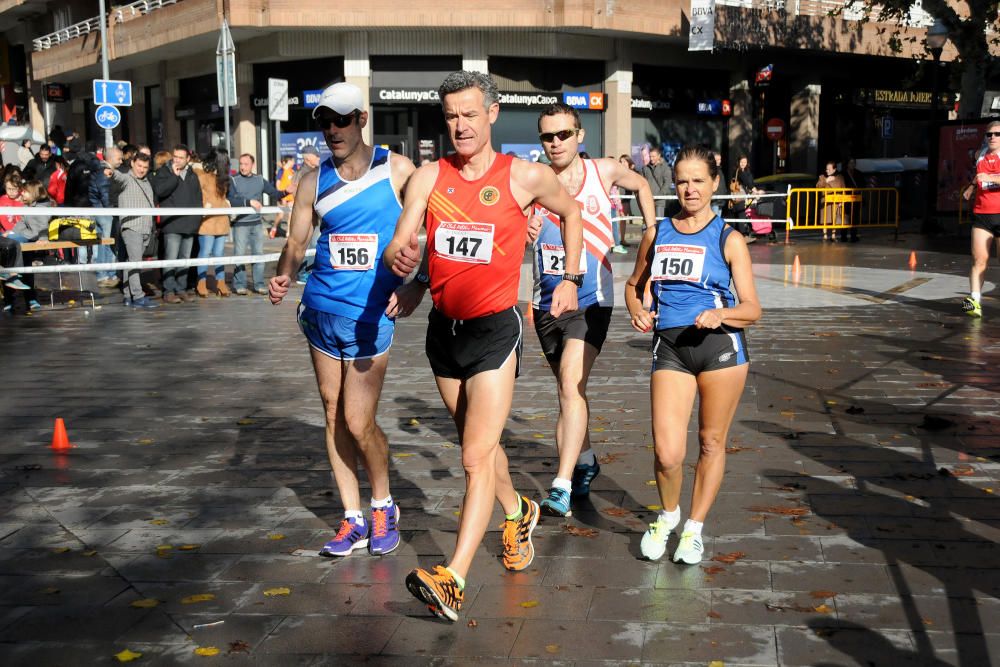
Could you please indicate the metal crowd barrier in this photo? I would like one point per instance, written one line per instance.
(842, 208)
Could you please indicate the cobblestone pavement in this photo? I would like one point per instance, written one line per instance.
(857, 523)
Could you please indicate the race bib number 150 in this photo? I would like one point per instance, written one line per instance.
(464, 241)
(678, 262)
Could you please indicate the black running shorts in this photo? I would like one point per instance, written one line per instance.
(694, 351)
(988, 221)
(589, 325)
(460, 349)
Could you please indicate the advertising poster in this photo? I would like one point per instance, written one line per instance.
(959, 148)
(292, 143)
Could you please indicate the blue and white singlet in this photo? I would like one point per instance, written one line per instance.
(689, 273)
(357, 221)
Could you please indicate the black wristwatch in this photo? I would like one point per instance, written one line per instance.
(422, 279)
(575, 278)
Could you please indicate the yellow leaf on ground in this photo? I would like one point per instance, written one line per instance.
(60, 550)
(654, 508)
(283, 590)
(787, 413)
(275, 536)
(127, 656)
(599, 429)
(529, 604)
(414, 422)
(201, 597)
(145, 603)
(243, 422)
(189, 547)
(552, 648)
(144, 441)
(822, 609)
(207, 650)
(988, 490)
(159, 522)
(538, 435)
(716, 663)
(403, 455)
(650, 482)
(91, 552)
(164, 547)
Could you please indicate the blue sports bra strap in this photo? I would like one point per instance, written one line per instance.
(726, 231)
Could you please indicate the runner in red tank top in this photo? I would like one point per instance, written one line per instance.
(985, 216)
(475, 205)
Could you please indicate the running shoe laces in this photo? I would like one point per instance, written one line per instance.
(345, 529)
(380, 522)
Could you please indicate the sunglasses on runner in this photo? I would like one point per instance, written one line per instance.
(563, 135)
(337, 120)
(990, 135)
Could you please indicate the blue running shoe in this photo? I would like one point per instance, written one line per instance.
(351, 536)
(385, 530)
(144, 302)
(557, 504)
(583, 475)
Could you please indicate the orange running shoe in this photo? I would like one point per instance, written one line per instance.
(438, 590)
(518, 551)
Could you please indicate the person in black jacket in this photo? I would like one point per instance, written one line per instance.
(176, 185)
(40, 167)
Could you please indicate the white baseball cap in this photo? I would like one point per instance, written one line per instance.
(343, 98)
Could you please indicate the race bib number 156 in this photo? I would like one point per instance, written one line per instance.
(465, 241)
(353, 252)
(678, 262)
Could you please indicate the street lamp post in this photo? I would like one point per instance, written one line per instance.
(936, 37)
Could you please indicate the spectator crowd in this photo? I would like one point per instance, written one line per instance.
(63, 174)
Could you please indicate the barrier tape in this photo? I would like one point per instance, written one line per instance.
(79, 212)
(153, 264)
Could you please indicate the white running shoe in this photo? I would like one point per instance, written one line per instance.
(654, 540)
(690, 549)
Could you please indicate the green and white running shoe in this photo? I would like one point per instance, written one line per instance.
(654, 540)
(972, 307)
(690, 549)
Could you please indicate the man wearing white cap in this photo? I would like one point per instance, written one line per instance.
(348, 305)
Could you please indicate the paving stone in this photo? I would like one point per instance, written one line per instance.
(899, 536)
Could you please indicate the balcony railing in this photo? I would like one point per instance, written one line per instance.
(120, 14)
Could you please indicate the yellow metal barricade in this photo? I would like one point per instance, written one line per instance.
(842, 208)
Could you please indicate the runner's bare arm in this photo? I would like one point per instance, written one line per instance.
(403, 252)
(405, 299)
(635, 286)
(536, 182)
(300, 229)
(614, 172)
(402, 168)
(748, 310)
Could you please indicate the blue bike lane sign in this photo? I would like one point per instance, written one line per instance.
(107, 117)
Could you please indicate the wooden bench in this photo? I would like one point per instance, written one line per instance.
(35, 246)
(41, 246)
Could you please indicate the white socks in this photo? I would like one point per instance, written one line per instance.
(692, 526)
(356, 516)
(976, 296)
(586, 458)
(671, 518)
(382, 504)
(564, 484)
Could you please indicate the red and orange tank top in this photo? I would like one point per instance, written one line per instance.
(476, 233)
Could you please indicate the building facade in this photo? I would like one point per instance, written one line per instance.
(627, 65)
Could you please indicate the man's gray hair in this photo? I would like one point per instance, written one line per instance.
(464, 79)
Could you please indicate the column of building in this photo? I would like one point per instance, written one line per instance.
(618, 108)
(357, 70)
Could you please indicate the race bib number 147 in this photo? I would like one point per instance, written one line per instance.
(464, 241)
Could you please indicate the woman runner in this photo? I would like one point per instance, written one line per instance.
(698, 345)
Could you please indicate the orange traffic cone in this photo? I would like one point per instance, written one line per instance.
(60, 439)
(913, 260)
